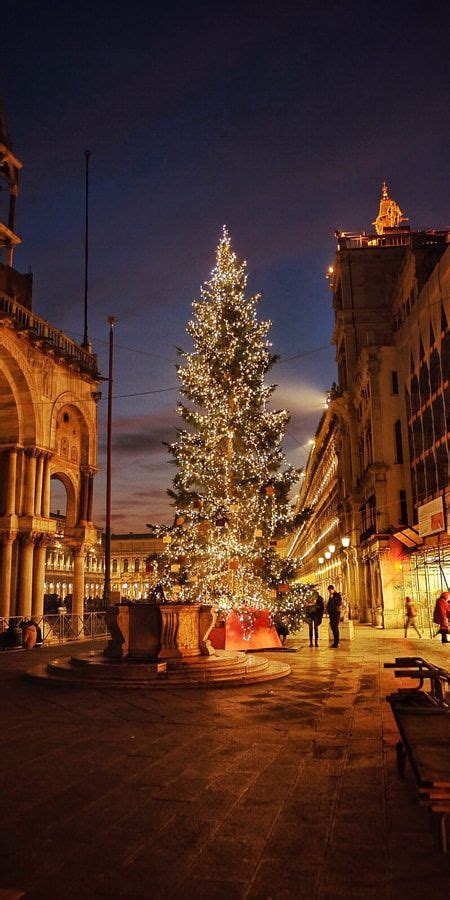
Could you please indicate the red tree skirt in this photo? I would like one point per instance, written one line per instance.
(230, 635)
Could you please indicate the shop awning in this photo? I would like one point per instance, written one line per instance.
(409, 537)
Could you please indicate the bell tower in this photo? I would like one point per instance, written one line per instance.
(12, 284)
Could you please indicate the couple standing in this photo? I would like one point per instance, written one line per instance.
(314, 615)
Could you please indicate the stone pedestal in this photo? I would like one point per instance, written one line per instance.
(159, 631)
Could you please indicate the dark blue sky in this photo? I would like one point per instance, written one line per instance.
(280, 120)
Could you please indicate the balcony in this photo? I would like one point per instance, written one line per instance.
(45, 336)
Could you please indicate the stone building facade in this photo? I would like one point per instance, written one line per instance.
(391, 406)
(48, 429)
(131, 575)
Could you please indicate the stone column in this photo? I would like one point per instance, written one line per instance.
(46, 487)
(40, 549)
(38, 488)
(11, 486)
(90, 496)
(79, 556)
(25, 575)
(30, 482)
(84, 498)
(5, 575)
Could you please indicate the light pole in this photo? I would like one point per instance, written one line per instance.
(107, 588)
(86, 253)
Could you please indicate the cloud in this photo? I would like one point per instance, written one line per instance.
(299, 398)
(143, 434)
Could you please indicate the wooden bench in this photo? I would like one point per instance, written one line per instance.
(422, 715)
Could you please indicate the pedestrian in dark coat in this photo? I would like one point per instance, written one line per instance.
(334, 607)
(314, 616)
(441, 615)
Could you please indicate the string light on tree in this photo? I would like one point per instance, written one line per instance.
(231, 489)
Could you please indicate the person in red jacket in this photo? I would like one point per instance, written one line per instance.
(441, 615)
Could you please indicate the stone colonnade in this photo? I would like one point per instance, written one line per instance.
(26, 528)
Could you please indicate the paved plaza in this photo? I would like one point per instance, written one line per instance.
(280, 790)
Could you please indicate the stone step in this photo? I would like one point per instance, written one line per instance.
(99, 668)
(248, 670)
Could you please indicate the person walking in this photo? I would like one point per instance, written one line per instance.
(334, 607)
(411, 616)
(314, 616)
(441, 615)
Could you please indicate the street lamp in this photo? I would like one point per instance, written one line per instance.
(327, 554)
(107, 587)
(331, 548)
(321, 560)
(345, 542)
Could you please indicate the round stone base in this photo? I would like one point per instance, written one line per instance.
(95, 670)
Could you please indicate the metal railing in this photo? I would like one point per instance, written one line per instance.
(46, 334)
(61, 628)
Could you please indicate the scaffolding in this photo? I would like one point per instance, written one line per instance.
(426, 573)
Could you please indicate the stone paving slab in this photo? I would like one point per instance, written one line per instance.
(284, 790)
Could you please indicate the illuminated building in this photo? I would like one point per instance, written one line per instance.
(59, 564)
(390, 413)
(48, 429)
(131, 573)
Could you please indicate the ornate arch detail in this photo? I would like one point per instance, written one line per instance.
(88, 427)
(19, 376)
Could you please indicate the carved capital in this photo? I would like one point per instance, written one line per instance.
(28, 538)
(8, 537)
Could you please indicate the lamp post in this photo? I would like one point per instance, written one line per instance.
(107, 588)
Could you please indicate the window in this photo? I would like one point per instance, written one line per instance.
(424, 381)
(398, 442)
(361, 454)
(439, 418)
(435, 371)
(372, 512)
(369, 446)
(430, 469)
(394, 381)
(428, 434)
(136, 565)
(420, 474)
(415, 396)
(443, 468)
(403, 509)
(125, 565)
(114, 565)
(418, 437)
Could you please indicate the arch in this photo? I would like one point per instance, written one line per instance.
(9, 412)
(17, 375)
(70, 483)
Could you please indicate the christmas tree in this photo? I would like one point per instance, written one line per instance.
(231, 492)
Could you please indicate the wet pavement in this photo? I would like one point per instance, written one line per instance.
(279, 790)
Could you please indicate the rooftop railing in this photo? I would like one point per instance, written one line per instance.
(49, 338)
